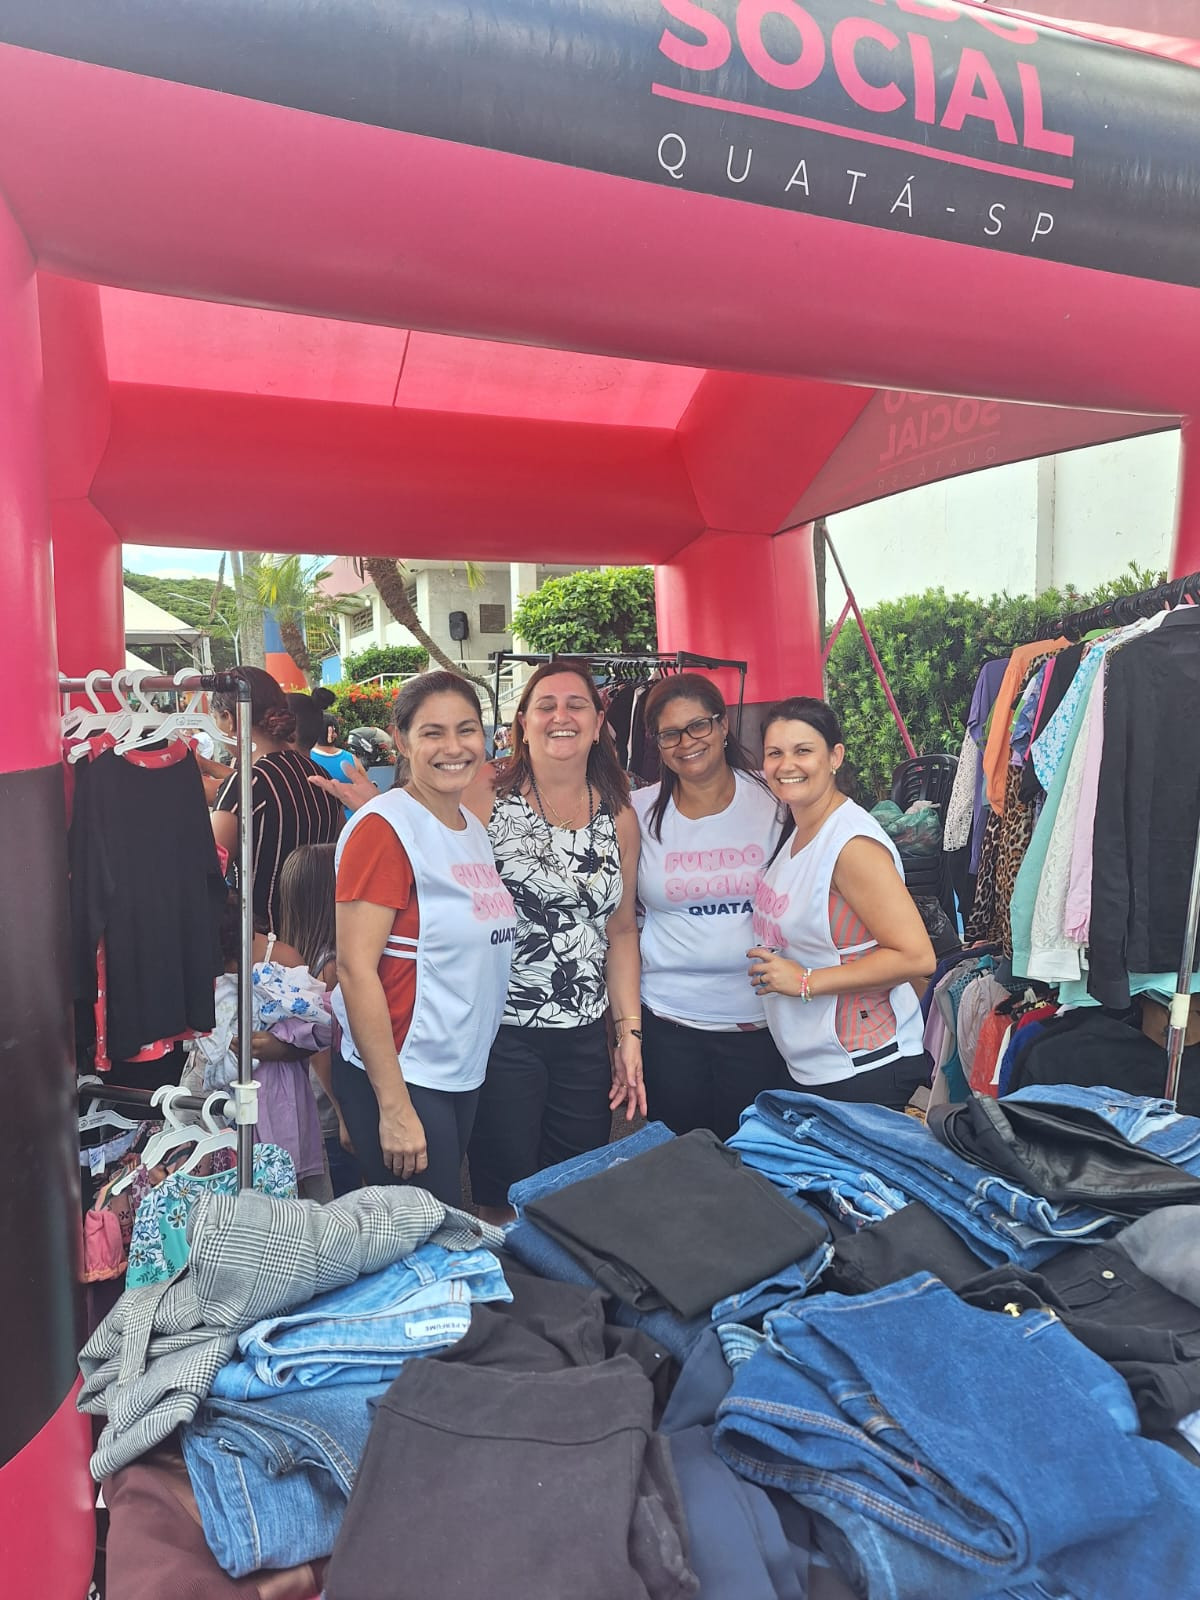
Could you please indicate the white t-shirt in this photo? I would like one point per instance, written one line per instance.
(696, 887)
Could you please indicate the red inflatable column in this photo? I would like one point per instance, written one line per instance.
(1185, 557)
(88, 592)
(749, 597)
(46, 1525)
(89, 602)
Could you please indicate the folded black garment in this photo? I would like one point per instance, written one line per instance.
(680, 1226)
(479, 1481)
(913, 1239)
(1149, 1335)
(1066, 1154)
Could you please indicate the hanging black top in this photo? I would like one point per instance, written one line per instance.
(1147, 807)
(287, 812)
(145, 875)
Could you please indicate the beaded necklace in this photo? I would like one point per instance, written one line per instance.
(593, 863)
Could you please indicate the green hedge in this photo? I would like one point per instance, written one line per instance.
(932, 646)
(384, 658)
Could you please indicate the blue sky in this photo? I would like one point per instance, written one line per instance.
(162, 562)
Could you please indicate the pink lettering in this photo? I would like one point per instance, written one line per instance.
(989, 106)
(476, 875)
(706, 57)
(492, 907)
(1037, 135)
(797, 74)
(848, 34)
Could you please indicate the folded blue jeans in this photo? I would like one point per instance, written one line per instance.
(363, 1332)
(751, 1305)
(956, 1477)
(551, 1179)
(799, 1135)
(272, 1477)
(1154, 1125)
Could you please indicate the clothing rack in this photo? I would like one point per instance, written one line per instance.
(120, 1094)
(1116, 613)
(662, 661)
(245, 1090)
(1126, 608)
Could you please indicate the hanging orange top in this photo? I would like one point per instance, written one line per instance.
(999, 745)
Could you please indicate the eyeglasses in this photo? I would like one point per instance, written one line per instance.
(700, 729)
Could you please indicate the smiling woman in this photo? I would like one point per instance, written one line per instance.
(707, 830)
(566, 845)
(838, 939)
(424, 938)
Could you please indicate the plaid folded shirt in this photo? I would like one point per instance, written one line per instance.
(153, 1359)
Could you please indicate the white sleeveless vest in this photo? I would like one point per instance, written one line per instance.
(696, 886)
(791, 912)
(463, 949)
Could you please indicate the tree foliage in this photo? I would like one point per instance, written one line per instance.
(600, 610)
(388, 658)
(932, 646)
(197, 601)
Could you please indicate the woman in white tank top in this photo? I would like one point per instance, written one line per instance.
(838, 941)
(425, 934)
(707, 831)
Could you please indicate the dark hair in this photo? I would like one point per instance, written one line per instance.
(306, 903)
(310, 725)
(819, 715)
(324, 699)
(689, 686)
(419, 689)
(269, 710)
(603, 769)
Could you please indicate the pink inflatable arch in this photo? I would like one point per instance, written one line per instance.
(591, 280)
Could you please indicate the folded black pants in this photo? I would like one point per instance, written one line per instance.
(477, 1481)
(682, 1225)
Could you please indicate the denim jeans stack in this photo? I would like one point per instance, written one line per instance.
(1005, 1464)
(273, 1452)
(535, 1249)
(866, 1162)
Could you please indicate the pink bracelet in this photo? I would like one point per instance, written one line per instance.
(805, 990)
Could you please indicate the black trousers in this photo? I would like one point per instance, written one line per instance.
(698, 1079)
(445, 1115)
(544, 1100)
(890, 1086)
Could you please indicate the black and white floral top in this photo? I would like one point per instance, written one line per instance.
(565, 886)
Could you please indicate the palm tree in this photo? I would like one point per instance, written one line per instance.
(287, 586)
(391, 580)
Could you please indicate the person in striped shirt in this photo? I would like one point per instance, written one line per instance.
(288, 811)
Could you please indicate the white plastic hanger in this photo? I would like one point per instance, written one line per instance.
(217, 1138)
(114, 722)
(172, 1136)
(145, 720)
(98, 1115)
(77, 721)
(184, 719)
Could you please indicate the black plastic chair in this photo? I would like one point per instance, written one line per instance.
(929, 778)
(925, 778)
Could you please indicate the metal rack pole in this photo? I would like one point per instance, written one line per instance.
(246, 1095)
(1181, 1002)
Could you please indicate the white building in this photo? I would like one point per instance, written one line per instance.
(1078, 518)
(437, 590)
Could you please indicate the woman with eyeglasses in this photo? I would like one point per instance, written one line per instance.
(707, 830)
